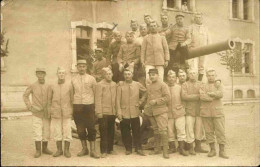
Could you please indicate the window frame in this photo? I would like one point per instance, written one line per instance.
(240, 11)
(178, 3)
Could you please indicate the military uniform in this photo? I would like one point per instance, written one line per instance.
(105, 106)
(97, 68)
(213, 116)
(60, 102)
(128, 109)
(158, 113)
(40, 120)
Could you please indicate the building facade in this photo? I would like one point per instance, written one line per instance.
(51, 33)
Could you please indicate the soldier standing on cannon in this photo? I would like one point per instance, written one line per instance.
(165, 23)
(41, 118)
(212, 114)
(105, 106)
(194, 127)
(200, 37)
(147, 20)
(60, 102)
(179, 39)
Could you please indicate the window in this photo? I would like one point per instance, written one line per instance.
(242, 10)
(250, 93)
(180, 5)
(83, 37)
(238, 94)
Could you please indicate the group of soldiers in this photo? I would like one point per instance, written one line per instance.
(176, 105)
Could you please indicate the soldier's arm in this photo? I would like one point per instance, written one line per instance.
(109, 53)
(203, 94)
(71, 94)
(137, 54)
(218, 94)
(26, 99)
(49, 99)
(165, 96)
(143, 50)
(188, 37)
(98, 100)
(143, 91)
(188, 97)
(165, 49)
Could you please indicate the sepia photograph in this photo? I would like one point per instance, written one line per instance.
(130, 83)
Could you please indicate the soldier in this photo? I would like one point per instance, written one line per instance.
(38, 107)
(179, 40)
(154, 52)
(143, 33)
(129, 55)
(135, 28)
(105, 102)
(194, 126)
(176, 115)
(112, 55)
(212, 114)
(165, 23)
(83, 108)
(182, 77)
(200, 37)
(147, 20)
(158, 96)
(128, 112)
(60, 102)
(99, 64)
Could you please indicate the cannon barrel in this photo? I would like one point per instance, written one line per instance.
(212, 48)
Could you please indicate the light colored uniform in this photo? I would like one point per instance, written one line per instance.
(40, 120)
(176, 114)
(211, 111)
(190, 94)
(60, 100)
(200, 37)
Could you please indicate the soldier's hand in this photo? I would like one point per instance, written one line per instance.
(120, 117)
(152, 102)
(211, 94)
(166, 63)
(183, 44)
(99, 116)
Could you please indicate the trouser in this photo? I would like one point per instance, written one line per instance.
(178, 59)
(84, 117)
(160, 71)
(197, 64)
(145, 130)
(179, 125)
(194, 128)
(107, 131)
(159, 123)
(41, 128)
(61, 129)
(126, 125)
(214, 126)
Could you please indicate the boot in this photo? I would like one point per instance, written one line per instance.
(140, 152)
(186, 146)
(198, 148)
(172, 147)
(222, 152)
(59, 149)
(45, 150)
(212, 152)
(191, 150)
(84, 150)
(165, 146)
(67, 149)
(38, 149)
(93, 151)
(157, 145)
(181, 149)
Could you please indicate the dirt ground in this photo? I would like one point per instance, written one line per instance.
(242, 132)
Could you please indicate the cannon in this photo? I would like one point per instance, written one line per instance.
(209, 49)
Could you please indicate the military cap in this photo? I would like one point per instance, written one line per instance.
(145, 15)
(171, 72)
(143, 25)
(40, 70)
(211, 70)
(128, 68)
(179, 15)
(129, 32)
(153, 70)
(81, 62)
(133, 21)
(60, 69)
(99, 49)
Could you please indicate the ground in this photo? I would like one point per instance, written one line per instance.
(242, 132)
